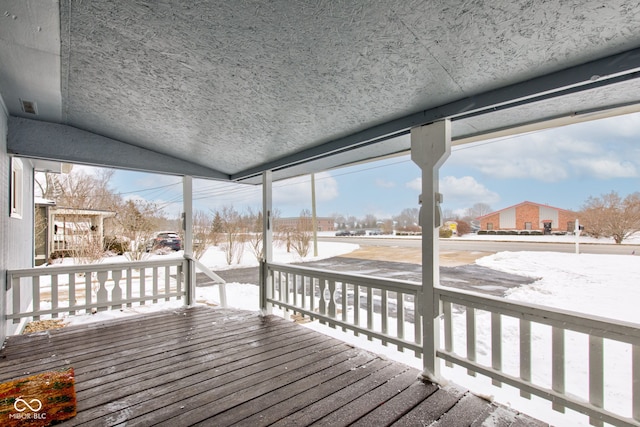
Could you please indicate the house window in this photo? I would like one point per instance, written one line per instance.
(527, 226)
(489, 226)
(16, 188)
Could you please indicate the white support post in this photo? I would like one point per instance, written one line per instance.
(430, 147)
(187, 228)
(267, 241)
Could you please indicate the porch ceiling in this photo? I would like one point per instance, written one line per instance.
(229, 89)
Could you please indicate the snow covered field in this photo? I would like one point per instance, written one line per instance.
(601, 285)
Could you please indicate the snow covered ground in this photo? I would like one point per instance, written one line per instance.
(601, 285)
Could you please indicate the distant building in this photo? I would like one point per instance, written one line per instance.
(60, 231)
(529, 216)
(324, 223)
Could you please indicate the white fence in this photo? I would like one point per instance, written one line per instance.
(377, 308)
(604, 350)
(77, 289)
(537, 338)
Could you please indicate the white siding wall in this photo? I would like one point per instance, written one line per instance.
(16, 232)
(4, 216)
(508, 218)
(549, 213)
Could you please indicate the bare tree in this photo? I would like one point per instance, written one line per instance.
(301, 237)
(370, 221)
(79, 190)
(463, 227)
(339, 220)
(612, 216)
(478, 210)
(86, 246)
(254, 235)
(408, 219)
(231, 228)
(387, 226)
(136, 220)
(203, 235)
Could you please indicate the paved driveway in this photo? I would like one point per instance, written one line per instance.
(468, 276)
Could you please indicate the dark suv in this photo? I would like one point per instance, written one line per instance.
(165, 239)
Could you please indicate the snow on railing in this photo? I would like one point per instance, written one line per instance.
(77, 289)
(380, 309)
(535, 349)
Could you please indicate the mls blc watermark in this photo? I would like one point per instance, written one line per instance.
(28, 410)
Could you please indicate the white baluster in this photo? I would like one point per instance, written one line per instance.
(448, 329)
(525, 354)
(116, 293)
(471, 337)
(54, 295)
(102, 295)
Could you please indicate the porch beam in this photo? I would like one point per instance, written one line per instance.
(64, 143)
(601, 72)
(430, 147)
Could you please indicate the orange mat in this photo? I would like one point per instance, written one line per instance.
(39, 400)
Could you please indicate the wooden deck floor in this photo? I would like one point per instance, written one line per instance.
(215, 367)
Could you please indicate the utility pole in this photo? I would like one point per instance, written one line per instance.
(314, 220)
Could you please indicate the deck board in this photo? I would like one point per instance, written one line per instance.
(205, 366)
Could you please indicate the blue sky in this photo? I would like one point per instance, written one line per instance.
(561, 167)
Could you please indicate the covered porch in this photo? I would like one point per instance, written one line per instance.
(383, 311)
(230, 367)
(254, 92)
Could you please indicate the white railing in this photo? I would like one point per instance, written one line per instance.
(216, 280)
(542, 343)
(78, 289)
(384, 309)
(380, 309)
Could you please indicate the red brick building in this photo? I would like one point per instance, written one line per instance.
(529, 216)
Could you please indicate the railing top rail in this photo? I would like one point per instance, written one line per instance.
(579, 322)
(205, 270)
(377, 282)
(64, 269)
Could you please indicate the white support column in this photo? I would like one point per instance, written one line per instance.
(187, 228)
(430, 147)
(267, 241)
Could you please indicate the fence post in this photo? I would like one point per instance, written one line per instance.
(430, 147)
(189, 267)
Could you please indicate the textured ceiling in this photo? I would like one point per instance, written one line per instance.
(233, 86)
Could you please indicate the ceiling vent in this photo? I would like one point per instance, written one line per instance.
(28, 107)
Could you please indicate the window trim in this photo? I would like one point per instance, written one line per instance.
(16, 207)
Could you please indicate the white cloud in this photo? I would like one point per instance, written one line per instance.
(415, 184)
(382, 183)
(522, 167)
(298, 190)
(605, 168)
(466, 189)
(599, 149)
